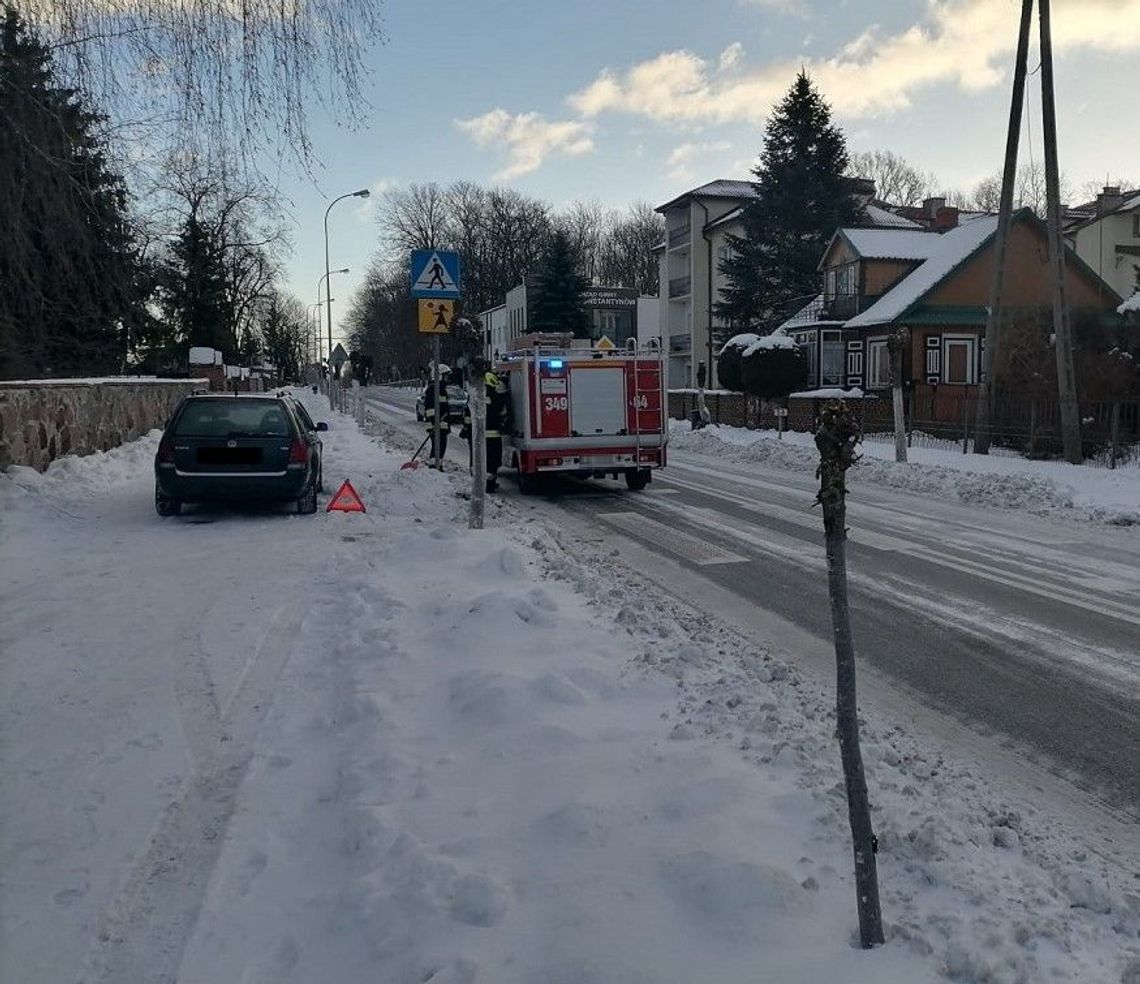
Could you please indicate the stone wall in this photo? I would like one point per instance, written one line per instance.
(40, 420)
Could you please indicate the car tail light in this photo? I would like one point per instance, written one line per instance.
(165, 451)
(298, 453)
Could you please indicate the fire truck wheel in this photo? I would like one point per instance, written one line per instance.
(528, 484)
(637, 478)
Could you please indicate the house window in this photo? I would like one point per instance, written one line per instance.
(806, 342)
(845, 280)
(878, 364)
(724, 253)
(831, 359)
(829, 289)
(1136, 225)
(959, 359)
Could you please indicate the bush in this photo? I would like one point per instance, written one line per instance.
(728, 364)
(772, 368)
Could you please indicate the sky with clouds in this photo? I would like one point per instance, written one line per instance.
(617, 100)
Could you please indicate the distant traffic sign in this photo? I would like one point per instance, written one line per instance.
(435, 274)
(435, 317)
(605, 344)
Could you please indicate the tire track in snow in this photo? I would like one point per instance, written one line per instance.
(142, 933)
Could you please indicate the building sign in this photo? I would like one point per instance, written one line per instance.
(609, 297)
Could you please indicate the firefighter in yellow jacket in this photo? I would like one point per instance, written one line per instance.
(498, 420)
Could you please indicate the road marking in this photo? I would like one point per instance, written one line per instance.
(669, 538)
(1055, 592)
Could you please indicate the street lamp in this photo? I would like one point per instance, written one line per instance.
(315, 331)
(328, 298)
(362, 193)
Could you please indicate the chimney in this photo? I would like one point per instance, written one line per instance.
(930, 207)
(1109, 200)
(945, 218)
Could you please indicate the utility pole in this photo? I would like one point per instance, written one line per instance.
(1062, 330)
(1005, 211)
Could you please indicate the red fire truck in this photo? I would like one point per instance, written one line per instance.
(585, 412)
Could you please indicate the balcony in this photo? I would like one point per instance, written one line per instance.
(680, 287)
(680, 236)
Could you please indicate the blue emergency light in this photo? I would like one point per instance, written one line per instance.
(555, 363)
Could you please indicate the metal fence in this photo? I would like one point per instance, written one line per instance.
(1110, 431)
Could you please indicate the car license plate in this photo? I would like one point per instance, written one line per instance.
(229, 456)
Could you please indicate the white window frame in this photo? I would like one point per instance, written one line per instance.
(840, 352)
(971, 343)
(877, 347)
(806, 341)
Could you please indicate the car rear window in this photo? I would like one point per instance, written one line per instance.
(234, 417)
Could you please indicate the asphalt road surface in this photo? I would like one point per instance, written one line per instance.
(1020, 626)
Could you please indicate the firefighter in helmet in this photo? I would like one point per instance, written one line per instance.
(498, 419)
(430, 410)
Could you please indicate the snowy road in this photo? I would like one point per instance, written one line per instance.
(1023, 625)
(249, 746)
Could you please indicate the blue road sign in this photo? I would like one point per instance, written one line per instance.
(435, 273)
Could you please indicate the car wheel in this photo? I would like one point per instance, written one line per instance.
(307, 504)
(637, 478)
(164, 505)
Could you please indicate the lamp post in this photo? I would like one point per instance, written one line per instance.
(328, 299)
(315, 332)
(362, 193)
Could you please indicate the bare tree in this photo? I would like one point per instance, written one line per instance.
(585, 225)
(628, 259)
(836, 438)
(896, 180)
(415, 217)
(213, 76)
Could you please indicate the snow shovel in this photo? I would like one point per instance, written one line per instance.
(412, 464)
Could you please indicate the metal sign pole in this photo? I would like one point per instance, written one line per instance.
(437, 458)
(478, 452)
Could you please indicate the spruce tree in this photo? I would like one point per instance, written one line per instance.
(801, 199)
(558, 302)
(72, 292)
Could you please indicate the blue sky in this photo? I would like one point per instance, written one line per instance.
(617, 100)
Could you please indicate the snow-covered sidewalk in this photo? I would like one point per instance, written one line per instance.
(268, 748)
(1052, 488)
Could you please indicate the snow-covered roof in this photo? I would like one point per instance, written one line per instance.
(886, 219)
(720, 188)
(892, 244)
(949, 249)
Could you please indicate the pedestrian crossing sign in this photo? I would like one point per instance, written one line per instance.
(435, 274)
(435, 317)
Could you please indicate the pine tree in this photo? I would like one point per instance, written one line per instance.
(801, 199)
(557, 304)
(73, 290)
(194, 298)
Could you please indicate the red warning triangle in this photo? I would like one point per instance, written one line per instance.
(346, 500)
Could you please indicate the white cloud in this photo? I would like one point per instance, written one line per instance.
(682, 157)
(366, 209)
(528, 138)
(965, 43)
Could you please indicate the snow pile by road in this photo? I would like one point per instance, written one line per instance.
(379, 747)
(1041, 487)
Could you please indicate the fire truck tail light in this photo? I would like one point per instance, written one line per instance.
(549, 462)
